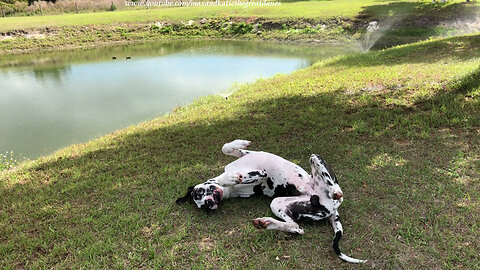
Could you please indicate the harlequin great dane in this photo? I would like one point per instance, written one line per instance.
(299, 195)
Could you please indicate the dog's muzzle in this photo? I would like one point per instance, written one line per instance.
(337, 196)
(209, 203)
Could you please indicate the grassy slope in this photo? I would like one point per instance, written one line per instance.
(303, 21)
(303, 9)
(378, 9)
(400, 127)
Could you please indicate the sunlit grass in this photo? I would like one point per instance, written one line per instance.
(9, 160)
(294, 9)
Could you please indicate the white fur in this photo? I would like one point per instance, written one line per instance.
(261, 170)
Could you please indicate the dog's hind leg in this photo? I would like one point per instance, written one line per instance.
(279, 208)
(236, 148)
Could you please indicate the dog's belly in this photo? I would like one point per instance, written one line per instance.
(284, 178)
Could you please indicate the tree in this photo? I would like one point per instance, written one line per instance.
(31, 1)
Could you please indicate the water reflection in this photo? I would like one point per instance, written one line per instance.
(57, 99)
(54, 74)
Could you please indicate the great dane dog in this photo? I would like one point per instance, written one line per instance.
(298, 195)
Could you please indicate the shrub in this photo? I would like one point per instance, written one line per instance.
(309, 30)
(166, 29)
(241, 28)
(113, 7)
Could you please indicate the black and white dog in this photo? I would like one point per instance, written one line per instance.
(299, 195)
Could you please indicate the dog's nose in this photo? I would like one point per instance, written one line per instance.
(337, 196)
(209, 203)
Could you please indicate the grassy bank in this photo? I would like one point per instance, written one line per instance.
(303, 9)
(291, 30)
(400, 127)
(306, 21)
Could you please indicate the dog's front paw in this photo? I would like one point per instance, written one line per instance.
(232, 179)
(297, 231)
(261, 223)
(241, 144)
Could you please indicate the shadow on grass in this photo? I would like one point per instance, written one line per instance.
(460, 48)
(420, 13)
(409, 22)
(119, 200)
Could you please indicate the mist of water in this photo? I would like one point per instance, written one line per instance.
(371, 36)
(463, 27)
(373, 33)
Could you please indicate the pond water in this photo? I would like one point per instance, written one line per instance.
(51, 100)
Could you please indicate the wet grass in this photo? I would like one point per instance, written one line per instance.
(400, 127)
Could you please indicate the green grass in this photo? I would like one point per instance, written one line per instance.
(304, 9)
(288, 9)
(400, 127)
(294, 21)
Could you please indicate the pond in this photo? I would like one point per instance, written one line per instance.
(51, 100)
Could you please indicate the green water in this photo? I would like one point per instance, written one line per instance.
(51, 100)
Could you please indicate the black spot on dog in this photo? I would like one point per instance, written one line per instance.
(285, 191)
(269, 183)
(315, 201)
(257, 173)
(317, 206)
(336, 241)
(337, 218)
(198, 194)
(330, 171)
(300, 175)
(295, 209)
(258, 190)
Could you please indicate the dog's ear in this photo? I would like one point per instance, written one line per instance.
(187, 197)
(322, 170)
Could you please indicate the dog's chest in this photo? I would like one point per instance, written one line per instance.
(275, 185)
(284, 178)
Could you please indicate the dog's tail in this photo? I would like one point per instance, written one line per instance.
(342, 256)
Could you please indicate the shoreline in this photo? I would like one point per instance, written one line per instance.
(296, 31)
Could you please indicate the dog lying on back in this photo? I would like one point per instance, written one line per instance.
(298, 195)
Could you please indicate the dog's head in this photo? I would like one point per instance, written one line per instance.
(323, 174)
(206, 195)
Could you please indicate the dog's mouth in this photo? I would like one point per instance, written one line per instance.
(211, 202)
(217, 195)
(337, 196)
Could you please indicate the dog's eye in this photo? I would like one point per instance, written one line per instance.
(199, 193)
(212, 188)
